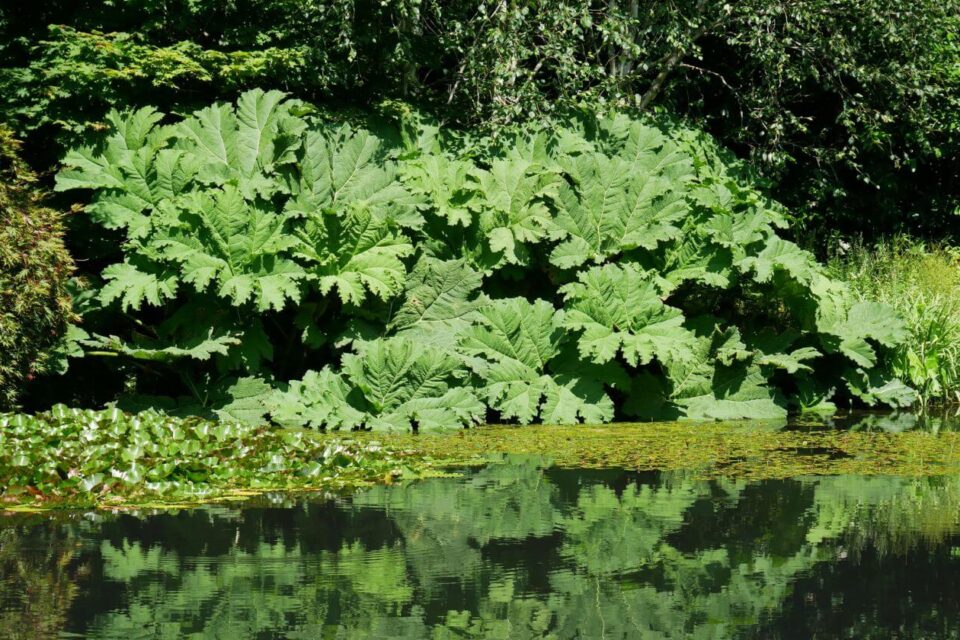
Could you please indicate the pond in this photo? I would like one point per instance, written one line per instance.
(517, 548)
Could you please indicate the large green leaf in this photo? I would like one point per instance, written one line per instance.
(512, 347)
(134, 173)
(618, 309)
(354, 252)
(444, 187)
(243, 147)
(779, 254)
(411, 385)
(319, 400)
(879, 388)
(246, 400)
(343, 169)
(133, 287)
(107, 166)
(612, 205)
(850, 331)
(694, 258)
(88, 169)
(705, 389)
(513, 210)
(730, 393)
(439, 302)
(236, 246)
(200, 347)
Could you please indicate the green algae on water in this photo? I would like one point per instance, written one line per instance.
(743, 450)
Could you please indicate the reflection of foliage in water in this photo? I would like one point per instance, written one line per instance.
(511, 551)
(36, 584)
(888, 514)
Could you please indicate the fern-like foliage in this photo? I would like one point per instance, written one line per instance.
(316, 274)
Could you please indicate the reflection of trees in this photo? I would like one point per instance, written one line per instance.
(887, 514)
(36, 582)
(517, 551)
(914, 521)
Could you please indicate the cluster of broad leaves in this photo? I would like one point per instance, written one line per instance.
(315, 274)
(88, 457)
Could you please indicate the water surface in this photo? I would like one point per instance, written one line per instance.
(517, 549)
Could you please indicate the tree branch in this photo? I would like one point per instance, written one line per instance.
(654, 89)
(673, 59)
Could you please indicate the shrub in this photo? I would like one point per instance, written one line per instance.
(596, 268)
(35, 307)
(923, 285)
(83, 74)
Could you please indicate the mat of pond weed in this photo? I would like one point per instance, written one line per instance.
(743, 450)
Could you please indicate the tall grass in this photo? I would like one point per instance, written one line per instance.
(923, 283)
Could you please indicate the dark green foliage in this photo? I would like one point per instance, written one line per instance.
(848, 108)
(418, 285)
(69, 62)
(90, 457)
(35, 268)
(83, 75)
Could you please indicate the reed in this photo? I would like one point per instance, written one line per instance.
(922, 282)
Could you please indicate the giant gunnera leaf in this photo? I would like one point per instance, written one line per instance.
(343, 169)
(411, 385)
(513, 211)
(244, 146)
(319, 400)
(612, 204)
(356, 253)
(513, 346)
(439, 302)
(702, 387)
(618, 310)
(237, 247)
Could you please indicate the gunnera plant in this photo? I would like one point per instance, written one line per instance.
(35, 307)
(279, 267)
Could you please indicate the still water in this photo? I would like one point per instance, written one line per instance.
(517, 549)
